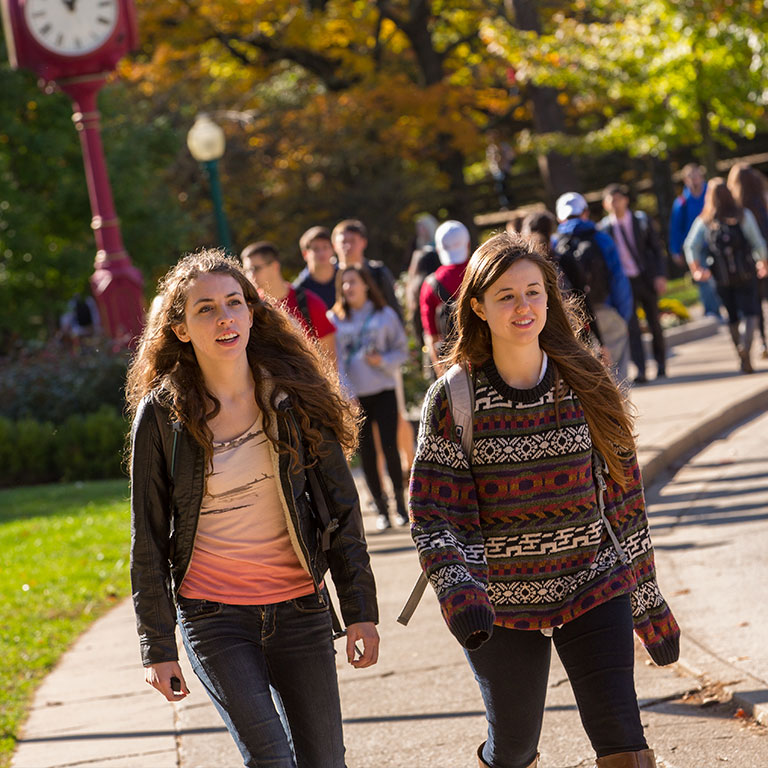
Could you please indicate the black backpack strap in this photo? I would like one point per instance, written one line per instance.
(328, 524)
(440, 290)
(303, 305)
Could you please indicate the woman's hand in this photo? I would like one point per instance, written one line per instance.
(700, 274)
(373, 359)
(365, 631)
(159, 676)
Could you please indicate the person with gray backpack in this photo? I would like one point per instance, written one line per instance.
(527, 512)
(725, 243)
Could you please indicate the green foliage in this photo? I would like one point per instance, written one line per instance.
(46, 244)
(683, 290)
(54, 382)
(64, 560)
(84, 447)
(645, 76)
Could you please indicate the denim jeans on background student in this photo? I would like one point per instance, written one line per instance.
(709, 298)
(597, 651)
(238, 651)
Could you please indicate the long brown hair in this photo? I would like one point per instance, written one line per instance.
(750, 189)
(341, 307)
(167, 367)
(719, 204)
(605, 408)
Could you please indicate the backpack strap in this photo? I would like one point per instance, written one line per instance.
(460, 392)
(461, 401)
(440, 290)
(328, 524)
(303, 305)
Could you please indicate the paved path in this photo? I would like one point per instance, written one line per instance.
(420, 705)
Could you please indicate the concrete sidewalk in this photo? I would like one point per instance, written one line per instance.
(419, 705)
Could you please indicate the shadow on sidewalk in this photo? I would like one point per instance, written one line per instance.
(99, 735)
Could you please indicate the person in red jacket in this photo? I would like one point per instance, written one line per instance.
(261, 262)
(439, 289)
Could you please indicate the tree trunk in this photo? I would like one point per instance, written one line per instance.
(708, 146)
(557, 170)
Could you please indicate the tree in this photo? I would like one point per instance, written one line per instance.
(351, 93)
(646, 77)
(46, 244)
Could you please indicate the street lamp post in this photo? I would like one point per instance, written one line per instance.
(206, 144)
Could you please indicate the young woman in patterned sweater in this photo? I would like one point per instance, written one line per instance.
(512, 537)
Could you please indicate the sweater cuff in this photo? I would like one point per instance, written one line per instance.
(473, 626)
(665, 652)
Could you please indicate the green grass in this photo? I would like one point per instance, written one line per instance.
(684, 290)
(63, 562)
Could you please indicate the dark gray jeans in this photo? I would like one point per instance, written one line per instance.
(597, 651)
(241, 652)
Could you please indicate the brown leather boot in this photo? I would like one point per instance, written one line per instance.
(643, 759)
(482, 764)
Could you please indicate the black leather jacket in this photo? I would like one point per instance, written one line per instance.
(164, 513)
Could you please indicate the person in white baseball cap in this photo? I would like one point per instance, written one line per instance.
(570, 205)
(439, 290)
(591, 265)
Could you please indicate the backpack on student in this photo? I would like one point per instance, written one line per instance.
(445, 314)
(729, 256)
(460, 392)
(583, 265)
(303, 305)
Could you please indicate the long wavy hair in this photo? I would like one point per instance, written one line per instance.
(276, 352)
(749, 188)
(719, 204)
(605, 408)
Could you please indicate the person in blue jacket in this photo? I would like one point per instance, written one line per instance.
(685, 210)
(609, 305)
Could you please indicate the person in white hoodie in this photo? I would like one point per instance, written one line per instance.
(371, 345)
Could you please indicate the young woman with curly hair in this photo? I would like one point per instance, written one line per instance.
(241, 499)
(520, 542)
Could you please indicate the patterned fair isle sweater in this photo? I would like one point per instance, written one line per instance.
(516, 540)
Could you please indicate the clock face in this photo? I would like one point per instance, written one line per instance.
(71, 27)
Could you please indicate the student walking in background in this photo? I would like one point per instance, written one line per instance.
(590, 264)
(350, 239)
(685, 210)
(241, 500)
(509, 524)
(319, 276)
(642, 260)
(725, 244)
(261, 263)
(439, 290)
(371, 347)
(750, 190)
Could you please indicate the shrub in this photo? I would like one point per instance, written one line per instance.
(84, 447)
(55, 382)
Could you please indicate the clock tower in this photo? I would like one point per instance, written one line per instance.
(74, 45)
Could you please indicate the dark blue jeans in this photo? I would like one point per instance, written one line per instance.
(597, 651)
(242, 652)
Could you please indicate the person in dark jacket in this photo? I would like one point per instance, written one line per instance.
(609, 304)
(241, 499)
(642, 260)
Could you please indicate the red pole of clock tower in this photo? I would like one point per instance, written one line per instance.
(116, 284)
(73, 46)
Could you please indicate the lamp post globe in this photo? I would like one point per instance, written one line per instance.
(206, 143)
(206, 140)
